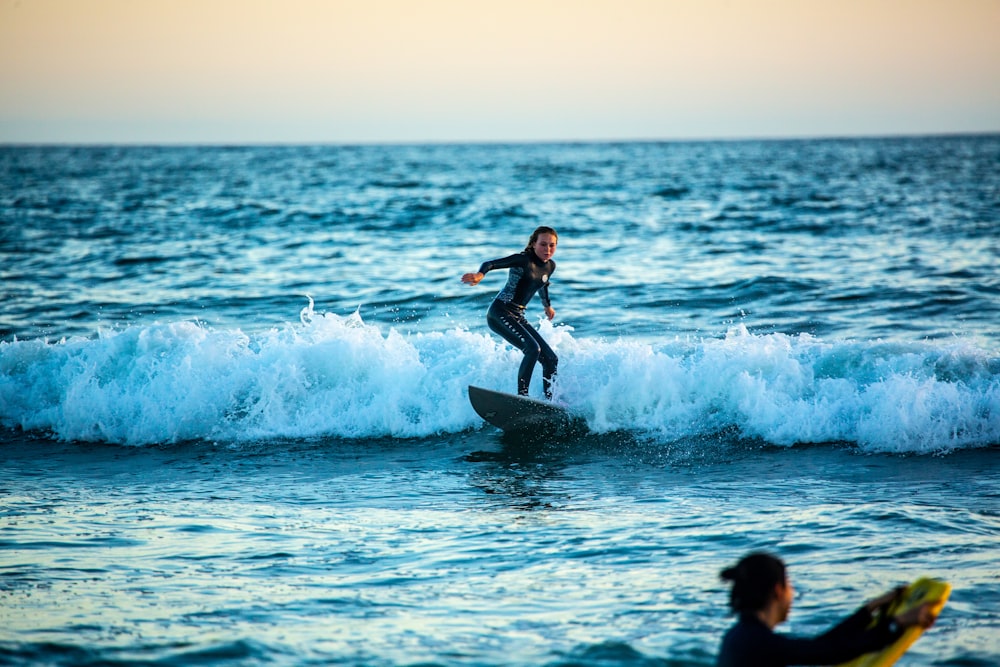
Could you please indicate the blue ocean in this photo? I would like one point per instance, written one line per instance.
(235, 430)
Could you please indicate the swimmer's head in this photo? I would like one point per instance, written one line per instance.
(756, 579)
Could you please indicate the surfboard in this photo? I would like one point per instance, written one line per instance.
(521, 414)
(917, 593)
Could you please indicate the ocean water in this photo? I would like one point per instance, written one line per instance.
(234, 427)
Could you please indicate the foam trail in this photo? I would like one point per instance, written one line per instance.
(338, 376)
(793, 389)
(174, 382)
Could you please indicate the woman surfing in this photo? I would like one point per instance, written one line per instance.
(529, 272)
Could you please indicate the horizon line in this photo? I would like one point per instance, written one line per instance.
(181, 143)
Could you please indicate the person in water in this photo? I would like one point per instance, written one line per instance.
(762, 596)
(529, 272)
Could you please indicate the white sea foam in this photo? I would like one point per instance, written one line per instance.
(793, 389)
(339, 376)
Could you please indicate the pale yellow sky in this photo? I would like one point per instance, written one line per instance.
(483, 70)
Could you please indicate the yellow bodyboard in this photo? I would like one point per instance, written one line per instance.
(917, 593)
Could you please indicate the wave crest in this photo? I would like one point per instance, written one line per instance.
(334, 376)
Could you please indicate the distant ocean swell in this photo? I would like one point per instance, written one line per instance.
(335, 376)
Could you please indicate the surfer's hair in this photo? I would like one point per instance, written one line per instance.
(754, 579)
(538, 232)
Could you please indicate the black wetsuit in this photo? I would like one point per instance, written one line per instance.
(528, 274)
(750, 643)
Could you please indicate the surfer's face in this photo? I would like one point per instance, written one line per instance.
(545, 246)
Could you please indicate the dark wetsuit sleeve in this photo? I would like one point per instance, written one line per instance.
(543, 294)
(749, 642)
(846, 640)
(516, 259)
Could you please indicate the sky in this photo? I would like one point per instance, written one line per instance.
(412, 71)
